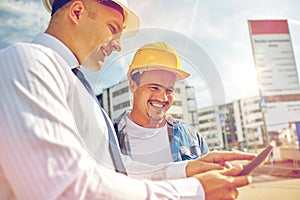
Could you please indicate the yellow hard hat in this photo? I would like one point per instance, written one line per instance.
(131, 21)
(156, 56)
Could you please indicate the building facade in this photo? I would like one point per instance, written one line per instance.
(235, 125)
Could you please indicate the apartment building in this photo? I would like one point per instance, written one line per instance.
(235, 125)
(254, 127)
(210, 126)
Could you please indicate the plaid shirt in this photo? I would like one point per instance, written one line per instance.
(185, 141)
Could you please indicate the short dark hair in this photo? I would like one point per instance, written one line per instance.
(57, 4)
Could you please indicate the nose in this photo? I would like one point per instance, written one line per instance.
(116, 45)
(162, 96)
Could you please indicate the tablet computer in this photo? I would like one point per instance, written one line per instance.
(257, 161)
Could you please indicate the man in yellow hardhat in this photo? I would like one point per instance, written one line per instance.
(56, 141)
(147, 133)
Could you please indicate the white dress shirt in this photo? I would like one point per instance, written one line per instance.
(54, 140)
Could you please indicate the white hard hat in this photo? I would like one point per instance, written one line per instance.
(131, 21)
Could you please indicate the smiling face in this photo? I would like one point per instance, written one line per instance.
(90, 29)
(152, 98)
(102, 30)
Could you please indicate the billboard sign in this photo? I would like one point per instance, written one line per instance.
(276, 72)
(274, 57)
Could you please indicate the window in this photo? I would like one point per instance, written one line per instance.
(206, 113)
(120, 91)
(121, 105)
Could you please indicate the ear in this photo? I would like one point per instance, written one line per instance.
(132, 85)
(75, 11)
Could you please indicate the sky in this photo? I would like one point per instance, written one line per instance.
(211, 37)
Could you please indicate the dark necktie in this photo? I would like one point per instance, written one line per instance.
(118, 163)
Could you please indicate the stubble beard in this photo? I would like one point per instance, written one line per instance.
(156, 116)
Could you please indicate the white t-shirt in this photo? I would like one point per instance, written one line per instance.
(149, 145)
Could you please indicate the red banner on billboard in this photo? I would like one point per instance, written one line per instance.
(269, 27)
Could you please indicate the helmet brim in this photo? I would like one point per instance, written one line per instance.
(180, 74)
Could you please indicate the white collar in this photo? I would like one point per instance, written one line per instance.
(59, 47)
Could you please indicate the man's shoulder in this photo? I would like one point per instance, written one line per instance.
(182, 125)
(21, 53)
(31, 57)
(176, 122)
(26, 49)
(16, 47)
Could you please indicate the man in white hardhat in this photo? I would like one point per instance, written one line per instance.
(146, 132)
(56, 141)
(95, 56)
